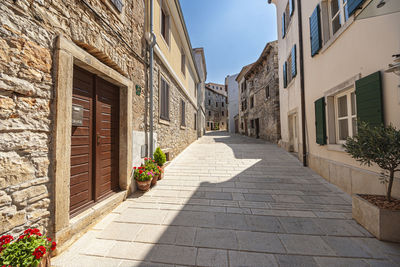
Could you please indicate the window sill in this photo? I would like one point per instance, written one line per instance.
(336, 147)
(291, 83)
(336, 36)
(183, 127)
(165, 122)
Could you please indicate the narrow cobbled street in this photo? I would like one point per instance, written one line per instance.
(233, 201)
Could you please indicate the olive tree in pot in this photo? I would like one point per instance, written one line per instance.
(381, 146)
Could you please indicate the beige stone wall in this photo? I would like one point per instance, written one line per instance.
(172, 137)
(28, 32)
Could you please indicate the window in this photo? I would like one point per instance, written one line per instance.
(252, 102)
(345, 116)
(290, 67)
(164, 100)
(223, 113)
(267, 91)
(345, 11)
(335, 15)
(222, 123)
(195, 122)
(209, 113)
(241, 125)
(209, 102)
(243, 86)
(216, 104)
(165, 25)
(223, 104)
(208, 124)
(252, 124)
(244, 105)
(183, 63)
(183, 121)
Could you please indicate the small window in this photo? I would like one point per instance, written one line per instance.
(223, 113)
(345, 116)
(216, 104)
(195, 122)
(165, 25)
(208, 124)
(164, 100)
(209, 113)
(252, 102)
(183, 115)
(241, 125)
(209, 102)
(252, 124)
(183, 63)
(267, 91)
(223, 104)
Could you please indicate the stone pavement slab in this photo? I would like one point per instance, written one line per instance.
(229, 200)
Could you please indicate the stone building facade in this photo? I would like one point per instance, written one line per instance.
(263, 95)
(216, 102)
(59, 60)
(243, 96)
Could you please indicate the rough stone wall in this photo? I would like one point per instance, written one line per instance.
(266, 109)
(28, 31)
(216, 111)
(172, 137)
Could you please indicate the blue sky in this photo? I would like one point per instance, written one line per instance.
(232, 32)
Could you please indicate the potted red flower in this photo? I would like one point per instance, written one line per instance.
(143, 177)
(150, 165)
(30, 249)
(160, 158)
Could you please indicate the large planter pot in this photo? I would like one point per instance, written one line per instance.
(382, 223)
(154, 180)
(144, 186)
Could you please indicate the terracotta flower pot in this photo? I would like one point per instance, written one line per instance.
(162, 173)
(45, 262)
(144, 185)
(154, 180)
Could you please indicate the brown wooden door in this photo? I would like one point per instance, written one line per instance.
(94, 145)
(107, 141)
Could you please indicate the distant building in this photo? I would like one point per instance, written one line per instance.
(233, 102)
(263, 95)
(202, 69)
(216, 107)
(243, 96)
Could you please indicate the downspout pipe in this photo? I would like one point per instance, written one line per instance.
(302, 91)
(152, 42)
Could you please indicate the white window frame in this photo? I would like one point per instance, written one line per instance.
(332, 17)
(349, 116)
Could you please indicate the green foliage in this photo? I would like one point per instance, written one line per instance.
(27, 250)
(377, 145)
(151, 165)
(159, 157)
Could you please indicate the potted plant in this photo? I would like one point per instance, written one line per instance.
(160, 159)
(143, 178)
(151, 166)
(381, 146)
(30, 249)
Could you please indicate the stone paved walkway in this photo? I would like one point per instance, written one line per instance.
(233, 201)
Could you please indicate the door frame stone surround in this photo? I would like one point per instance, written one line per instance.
(67, 54)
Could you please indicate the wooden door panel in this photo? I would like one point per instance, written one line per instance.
(107, 143)
(81, 181)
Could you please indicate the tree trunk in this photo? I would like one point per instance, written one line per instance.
(389, 190)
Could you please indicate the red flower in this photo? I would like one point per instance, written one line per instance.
(39, 252)
(34, 231)
(53, 246)
(49, 239)
(134, 168)
(5, 239)
(140, 171)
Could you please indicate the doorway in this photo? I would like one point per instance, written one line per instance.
(94, 141)
(293, 133)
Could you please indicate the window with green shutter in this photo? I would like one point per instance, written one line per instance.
(294, 63)
(352, 6)
(369, 99)
(320, 121)
(315, 31)
(285, 75)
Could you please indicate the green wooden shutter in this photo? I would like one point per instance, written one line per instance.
(369, 99)
(320, 121)
(315, 31)
(291, 7)
(285, 75)
(353, 5)
(283, 25)
(294, 63)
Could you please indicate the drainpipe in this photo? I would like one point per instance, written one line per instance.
(303, 105)
(152, 42)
